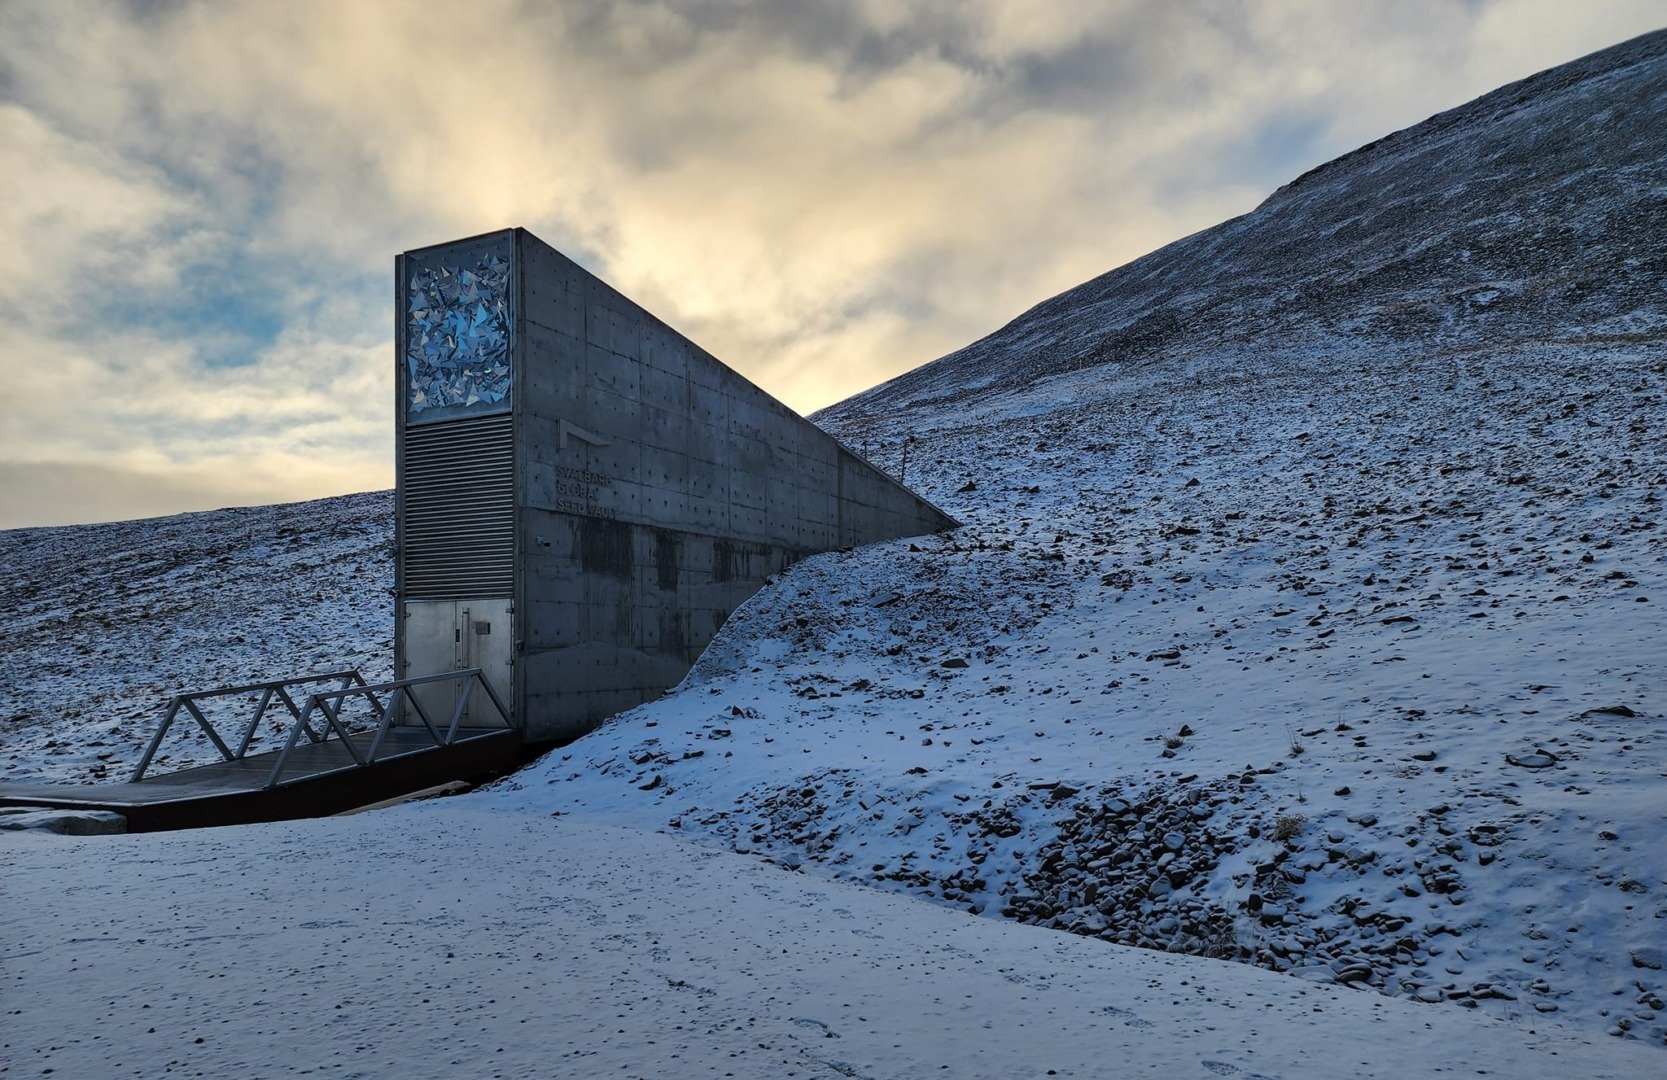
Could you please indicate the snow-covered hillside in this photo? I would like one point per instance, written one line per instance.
(1346, 665)
(105, 622)
(1309, 607)
(1534, 213)
(1308, 612)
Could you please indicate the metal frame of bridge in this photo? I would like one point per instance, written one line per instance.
(328, 762)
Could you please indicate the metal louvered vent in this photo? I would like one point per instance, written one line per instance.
(459, 507)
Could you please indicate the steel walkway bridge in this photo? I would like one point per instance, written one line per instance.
(347, 746)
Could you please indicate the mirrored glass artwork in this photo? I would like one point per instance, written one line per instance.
(457, 338)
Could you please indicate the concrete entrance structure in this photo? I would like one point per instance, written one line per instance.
(584, 495)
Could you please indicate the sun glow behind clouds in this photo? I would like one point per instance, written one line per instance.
(197, 252)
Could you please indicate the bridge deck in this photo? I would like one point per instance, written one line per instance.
(318, 779)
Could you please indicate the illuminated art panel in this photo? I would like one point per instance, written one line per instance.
(457, 338)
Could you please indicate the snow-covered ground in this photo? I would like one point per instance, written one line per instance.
(456, 940)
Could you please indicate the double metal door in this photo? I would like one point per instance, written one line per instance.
(454, 635)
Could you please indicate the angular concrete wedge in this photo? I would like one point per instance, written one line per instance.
(584, 495)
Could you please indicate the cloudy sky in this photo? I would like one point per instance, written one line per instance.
(200, 202)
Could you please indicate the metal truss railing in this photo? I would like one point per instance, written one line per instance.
(277, 689)
(320, 716)
(329, 704)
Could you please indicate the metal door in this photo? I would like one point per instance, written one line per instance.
(483, 639)
(453, 635)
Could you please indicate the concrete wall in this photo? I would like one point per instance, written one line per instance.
(654, 489)
(634, 552)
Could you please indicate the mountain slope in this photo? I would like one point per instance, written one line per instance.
(1533, 213)
(1349, 667)
(1307, 612)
